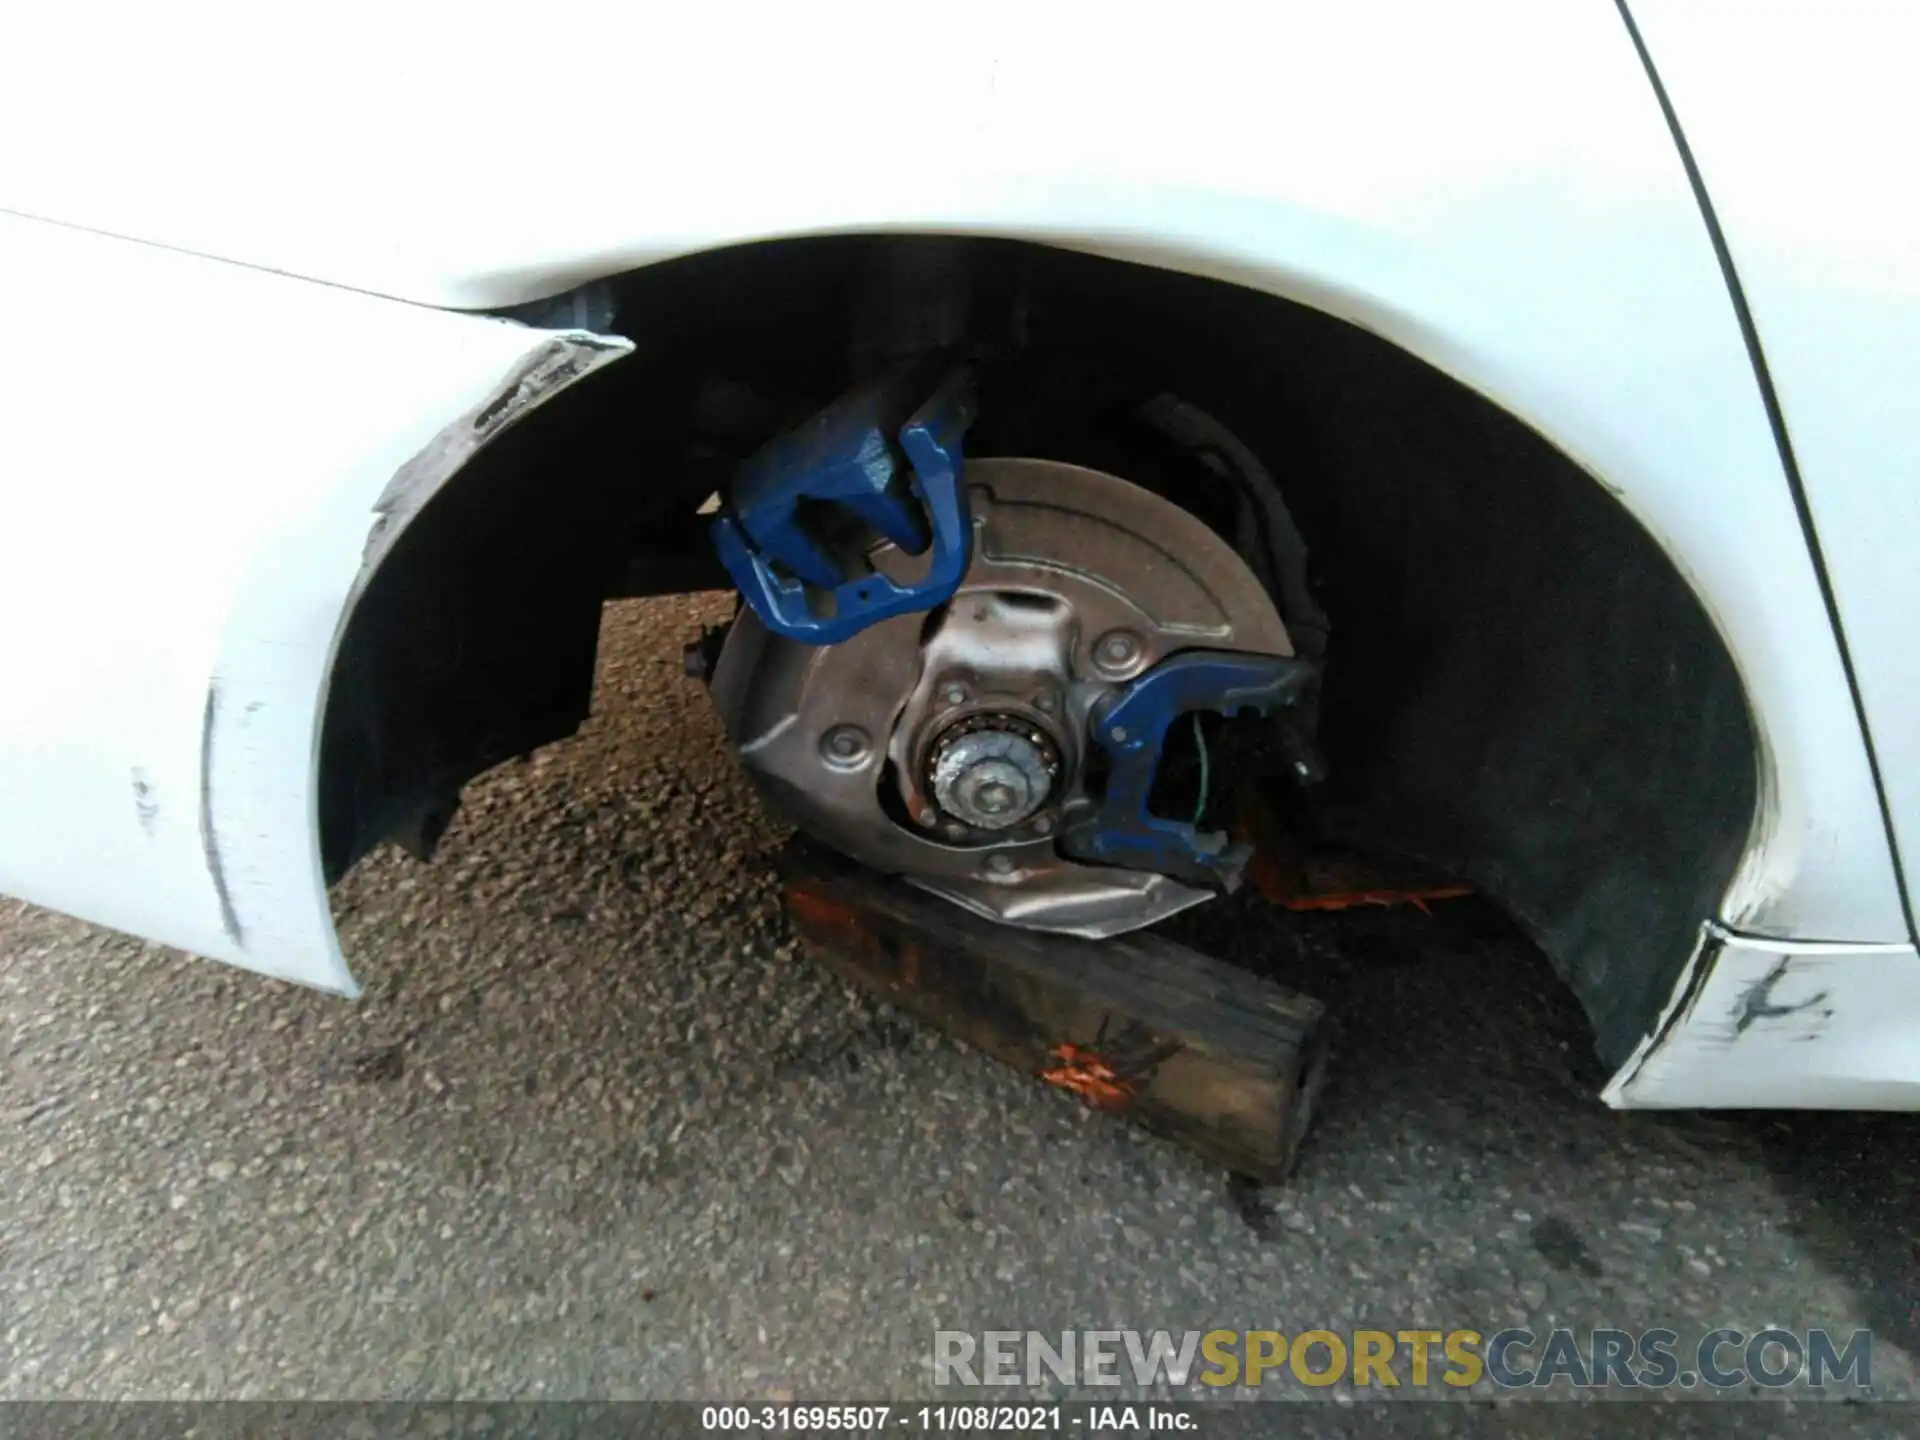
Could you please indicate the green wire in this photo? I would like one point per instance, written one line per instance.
(1200, 740)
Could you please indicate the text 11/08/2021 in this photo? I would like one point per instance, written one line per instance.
(948, 1419)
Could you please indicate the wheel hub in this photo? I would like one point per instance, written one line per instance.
(1079, 584)
(992, 771)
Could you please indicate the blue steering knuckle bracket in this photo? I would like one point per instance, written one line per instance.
(1131, 729)
(849, 458)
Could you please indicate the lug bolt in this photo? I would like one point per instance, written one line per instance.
(925, 815)
(1043, 826)
(955, 694)
(1000, 864)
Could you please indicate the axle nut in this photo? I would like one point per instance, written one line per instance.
(993, 774)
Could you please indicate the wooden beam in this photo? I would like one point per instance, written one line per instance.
(1216, 1059)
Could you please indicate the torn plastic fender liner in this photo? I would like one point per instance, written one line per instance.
(185, 567)
(472, 633)
(559, 360)
(540, 366)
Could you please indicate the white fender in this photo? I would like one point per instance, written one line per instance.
(197, 475)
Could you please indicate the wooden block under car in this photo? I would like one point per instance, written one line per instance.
(1207, 1055)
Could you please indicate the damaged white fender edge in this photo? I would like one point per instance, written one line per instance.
(1756, 1023)
(186, 530)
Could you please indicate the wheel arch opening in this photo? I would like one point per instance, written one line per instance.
(1521, 684)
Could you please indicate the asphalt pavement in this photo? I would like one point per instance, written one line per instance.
(596, 1130)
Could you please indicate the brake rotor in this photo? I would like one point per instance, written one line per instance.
(949, 747)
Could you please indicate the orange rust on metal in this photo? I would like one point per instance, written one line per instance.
(824, 920)
(1275, 864)
(1347, 900)
(1276, 868)
(1286, 875)
(810, 909)
(1089, 1077)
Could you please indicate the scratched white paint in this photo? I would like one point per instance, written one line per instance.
(1760, 1024)
(1488, 183)
(190, 457)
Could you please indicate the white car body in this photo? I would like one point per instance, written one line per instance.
(234, 364)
